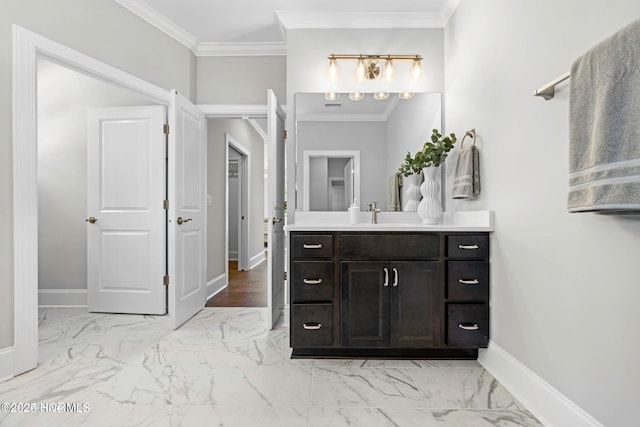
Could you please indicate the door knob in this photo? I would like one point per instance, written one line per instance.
(276, 220)
(91, 220)
(180, 221)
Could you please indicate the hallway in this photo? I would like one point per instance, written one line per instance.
(246, 288)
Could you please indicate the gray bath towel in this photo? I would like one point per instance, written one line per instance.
(393, 193)
(604, 126)
(466, 180)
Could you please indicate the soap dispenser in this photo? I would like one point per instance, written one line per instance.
(354, 212)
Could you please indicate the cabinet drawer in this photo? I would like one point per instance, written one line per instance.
(312, 325)
(467, 325)
(468, 246)
(390, 246)
(468, 280)
(312, 281)
(312, 245)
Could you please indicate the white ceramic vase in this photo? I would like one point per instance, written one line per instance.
(410, 193)
(430, 208)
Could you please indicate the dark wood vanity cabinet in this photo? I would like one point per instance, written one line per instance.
(389, 294)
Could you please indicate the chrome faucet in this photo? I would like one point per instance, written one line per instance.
(374, 209)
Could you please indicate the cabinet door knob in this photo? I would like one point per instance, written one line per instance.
(468, 282)
(396, 277)
(468, 326)
(312, 246)
(91, 220)
(386, 277)
(312, 281)
(468, 247)
(312, 326)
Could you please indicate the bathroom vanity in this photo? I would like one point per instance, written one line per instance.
(390, 289)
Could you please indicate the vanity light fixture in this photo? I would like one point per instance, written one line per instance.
(380, 96)
(356, 96)
(331, 96)
(368, 67)
(405, 95)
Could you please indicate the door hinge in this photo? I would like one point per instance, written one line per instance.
(285, 275)
(165, 129)
(285, 205)
(165, 204)
(165, 280)
(285, 134)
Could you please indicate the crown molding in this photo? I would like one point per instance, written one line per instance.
(295, 20)
(448, 7)
(160, 22)
(241, 49)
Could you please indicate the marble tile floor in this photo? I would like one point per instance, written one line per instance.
(224, 368)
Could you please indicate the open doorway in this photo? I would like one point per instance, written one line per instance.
(237, 258)
(66, 101)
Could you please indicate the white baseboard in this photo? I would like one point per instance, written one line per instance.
(552, 408)
(6, 364)
(233, 255)
(62, 297)
(216, 284)
(256, 260)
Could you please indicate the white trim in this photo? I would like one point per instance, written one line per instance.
(241, 49)
(245, 202)
(548, 405)
(168, 27)
(6, 364)
(62, 297)
(306, 156)
(448, 7)
(233, 110)
(304, 20)
(256, 260)
(216, 285)
(319, 117)
(27, 47)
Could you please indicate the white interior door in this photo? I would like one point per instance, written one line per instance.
(187, 224)
(275, 135)
(126, 238)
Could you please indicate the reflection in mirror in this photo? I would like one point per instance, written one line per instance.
(331, 179)
(380, 131)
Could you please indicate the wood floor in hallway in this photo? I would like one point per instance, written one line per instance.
(246, 288)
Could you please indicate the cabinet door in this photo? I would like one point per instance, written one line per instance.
(416, 301)
(365, 303)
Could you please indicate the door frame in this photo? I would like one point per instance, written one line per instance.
(307, 155)
(27, 48)
(244, 200)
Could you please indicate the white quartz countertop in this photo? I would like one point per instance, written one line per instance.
(392, 221)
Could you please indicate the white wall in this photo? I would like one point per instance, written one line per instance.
(367, 137)
(104, 30)
(240, 79)
(565, 287)
(410, 126)
(307, 52)
(241, 131)
(64, 97)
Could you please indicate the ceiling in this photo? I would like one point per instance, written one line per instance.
(258, 27)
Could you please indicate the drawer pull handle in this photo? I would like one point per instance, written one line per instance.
(396, 277)
(468, 282)
(386, 277)
(468, 247)
(312, 246)
(312, 326)
(312, 281)
(468, 326)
